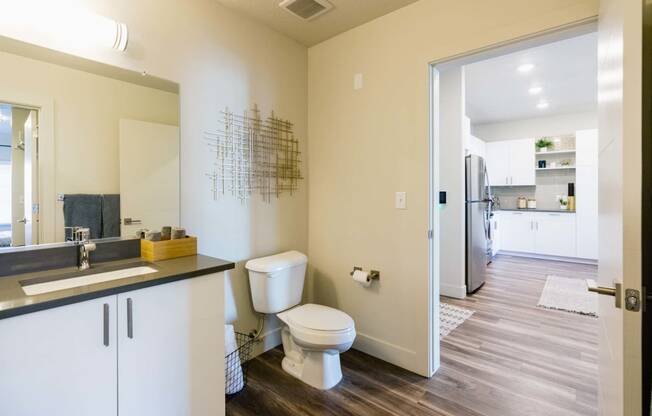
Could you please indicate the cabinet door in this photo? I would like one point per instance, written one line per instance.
(497, 161)
(586, 195)
(555, 234)
(60, 361)
(496, 226)
(586, 147)
(517, 231)
(171, 343)
(522, 163)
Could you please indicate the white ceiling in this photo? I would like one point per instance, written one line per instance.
(565, 70)
(345, 15)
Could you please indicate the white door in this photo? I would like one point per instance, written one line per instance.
(522, 164)
(620, 178)
(171, 354)
(60, 362)
(149, 175)
(497, 161)
(517, 231)
(555, 234)
(30, 178)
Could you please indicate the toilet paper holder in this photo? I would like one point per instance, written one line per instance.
(373, 274)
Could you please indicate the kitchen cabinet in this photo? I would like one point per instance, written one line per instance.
(586, 193)
(511, 162)
(517, 231)
(542, 233)
(149, 352)
(60, 362)
(554, 234)
(495, 233)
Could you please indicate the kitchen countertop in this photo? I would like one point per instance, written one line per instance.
(14, 301)
(564, 211)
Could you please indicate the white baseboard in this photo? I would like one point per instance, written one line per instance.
(386, 351)
(545, 257)
(457, 292)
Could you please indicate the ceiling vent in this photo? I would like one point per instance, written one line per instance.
(306, 9)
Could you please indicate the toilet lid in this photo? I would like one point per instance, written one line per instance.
(320, 318)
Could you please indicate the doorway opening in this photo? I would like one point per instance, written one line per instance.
(515, 132)
(18, 175)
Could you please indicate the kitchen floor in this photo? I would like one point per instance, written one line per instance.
(508, 358)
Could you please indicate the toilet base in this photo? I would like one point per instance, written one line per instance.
(319, 369)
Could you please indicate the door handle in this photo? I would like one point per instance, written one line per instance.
(615, 291)
(131, 221)
(24, 221)
(105, 332)
(130, 318)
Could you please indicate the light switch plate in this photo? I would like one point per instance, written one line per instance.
(401, 200)
(357, 81)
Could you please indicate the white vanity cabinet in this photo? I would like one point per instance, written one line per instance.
(170, 359)
(511, 162)
(60, 361)
(156, 351)
(542, 233)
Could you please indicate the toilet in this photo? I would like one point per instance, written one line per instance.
(313, 335)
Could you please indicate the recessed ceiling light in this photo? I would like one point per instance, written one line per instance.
(543, 105)
(525, 68)
(535, 90)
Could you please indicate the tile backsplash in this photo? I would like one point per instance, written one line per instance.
(549, 185)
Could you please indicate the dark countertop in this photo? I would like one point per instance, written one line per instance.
(14, 301)
(563, 211)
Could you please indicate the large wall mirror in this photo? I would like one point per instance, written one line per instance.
(83, 144)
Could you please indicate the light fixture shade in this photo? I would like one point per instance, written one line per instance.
(121, 37)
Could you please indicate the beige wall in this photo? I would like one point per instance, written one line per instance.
(367, 144)
(87, 109)
(219, 59)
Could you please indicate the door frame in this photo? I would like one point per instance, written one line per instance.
(44, 106)
(567, 31)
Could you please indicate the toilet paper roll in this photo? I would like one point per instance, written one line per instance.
(362, 277)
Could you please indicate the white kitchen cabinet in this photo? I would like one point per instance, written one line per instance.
(511, 162)
(517, 231)
(60, 361)
(586, 193)
(522, 162)
(171, 360)
(497, 161)
(555, 234)
(542, 233)
(496, 228)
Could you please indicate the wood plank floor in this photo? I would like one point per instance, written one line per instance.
(509, 358)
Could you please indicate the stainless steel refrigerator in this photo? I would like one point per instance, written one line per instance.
(478, 212)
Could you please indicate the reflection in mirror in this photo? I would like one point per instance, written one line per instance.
(83, 144)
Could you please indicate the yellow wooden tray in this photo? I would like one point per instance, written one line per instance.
(168, 249)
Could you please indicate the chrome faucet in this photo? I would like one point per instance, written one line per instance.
(82, 238)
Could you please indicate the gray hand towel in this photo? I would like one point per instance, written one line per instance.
(110, 216)
(81, 210)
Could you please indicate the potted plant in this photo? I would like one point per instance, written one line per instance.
(563, 202)
(543, 144)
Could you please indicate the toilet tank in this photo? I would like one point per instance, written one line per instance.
(277, 281)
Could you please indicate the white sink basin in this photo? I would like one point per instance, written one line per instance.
(71, 282)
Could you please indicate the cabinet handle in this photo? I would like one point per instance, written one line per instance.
(106, 325)
(130, 318)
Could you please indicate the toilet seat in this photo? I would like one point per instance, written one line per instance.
(319, 326)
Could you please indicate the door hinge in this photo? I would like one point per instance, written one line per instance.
(431, 234)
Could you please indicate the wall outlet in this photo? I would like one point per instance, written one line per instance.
(357, 81)
(401, 200)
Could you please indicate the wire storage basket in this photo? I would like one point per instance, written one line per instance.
(236, 363)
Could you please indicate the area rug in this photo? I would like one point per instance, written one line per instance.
(450, 317)
(571, 295)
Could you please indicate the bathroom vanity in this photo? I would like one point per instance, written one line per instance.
(150, 344)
